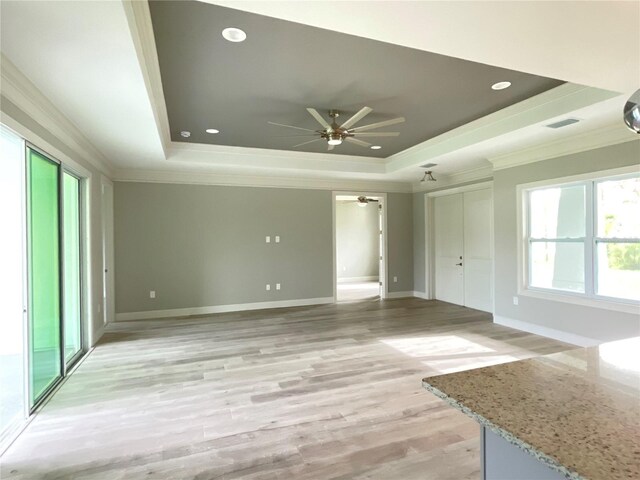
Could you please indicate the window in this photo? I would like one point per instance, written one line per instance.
(582, 238)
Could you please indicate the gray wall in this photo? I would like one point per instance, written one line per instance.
(400, 241)
(357, 239)
(585, 321)
(200, 246)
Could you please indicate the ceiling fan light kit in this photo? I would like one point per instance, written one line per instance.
(335, 134)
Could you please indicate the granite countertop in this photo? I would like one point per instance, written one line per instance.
(577, 411)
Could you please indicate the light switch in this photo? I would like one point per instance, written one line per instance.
(395, 279)
(277, 238)
(277, 284)
(268, 287)
(268, 239)
(152, 294)
(515, 300)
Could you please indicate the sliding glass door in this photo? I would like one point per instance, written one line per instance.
(12, 307)
(43, 212)
(72, 305)
(41, 332)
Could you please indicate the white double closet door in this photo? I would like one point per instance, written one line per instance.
(463, 229)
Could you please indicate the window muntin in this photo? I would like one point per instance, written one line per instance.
(583, 238)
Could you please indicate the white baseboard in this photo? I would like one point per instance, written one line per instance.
(373, 278)
(185, 312)
(421, 295)
(399, 294)
(560, 335)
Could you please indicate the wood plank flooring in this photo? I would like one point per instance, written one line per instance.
(326, 392)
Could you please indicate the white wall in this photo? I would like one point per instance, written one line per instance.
(357, 240)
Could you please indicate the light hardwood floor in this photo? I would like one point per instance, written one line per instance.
(301, 393)
(358, 291)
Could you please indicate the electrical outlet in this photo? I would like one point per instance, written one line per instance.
(152, 294)
(277, 286)
(277, 238)
(268, 287)
(515, 300)
(395, 279)
(267, 239)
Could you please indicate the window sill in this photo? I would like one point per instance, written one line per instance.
(622, 306)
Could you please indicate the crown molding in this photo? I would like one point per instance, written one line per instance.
(139, 20)
(19, 90)
(458, 178)
(601, 137)
(539, 108)
(223, 155)
(310, 183)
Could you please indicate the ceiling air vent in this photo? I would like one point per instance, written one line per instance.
(563, 123)
(428, 165)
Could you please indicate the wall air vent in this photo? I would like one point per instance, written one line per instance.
(563, 123)
(428, 165)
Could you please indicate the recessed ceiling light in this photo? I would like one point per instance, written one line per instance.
(500, 85)
(212, 130)
(185, 134)
(375, 147)
(234, 34)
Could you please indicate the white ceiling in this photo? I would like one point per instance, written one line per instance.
(84, 57)
(81, 56)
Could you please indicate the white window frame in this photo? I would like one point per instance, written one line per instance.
(589, 297)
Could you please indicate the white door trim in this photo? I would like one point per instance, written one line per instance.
(382, 197)
(108, 297)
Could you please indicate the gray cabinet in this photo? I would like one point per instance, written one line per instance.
(502, 460)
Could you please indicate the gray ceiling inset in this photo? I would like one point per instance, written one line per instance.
(283, 67)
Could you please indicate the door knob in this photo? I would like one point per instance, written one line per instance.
(459, 264)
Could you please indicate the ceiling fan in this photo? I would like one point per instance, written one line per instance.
(364, 201)
(335, 134)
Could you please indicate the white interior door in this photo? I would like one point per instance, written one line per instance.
(449, 248)
(478, 250)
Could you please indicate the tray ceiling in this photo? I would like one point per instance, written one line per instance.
(284, 67)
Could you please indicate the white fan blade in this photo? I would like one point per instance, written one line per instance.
(290, 126)
(300, 135)
(357, 142)
(304, 143)
(363, 111)
(314, 113)
(377, 134)
(331, 147)
(371, 126)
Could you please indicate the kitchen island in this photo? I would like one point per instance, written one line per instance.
(574, 414)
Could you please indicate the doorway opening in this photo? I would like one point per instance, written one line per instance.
(359, 243)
